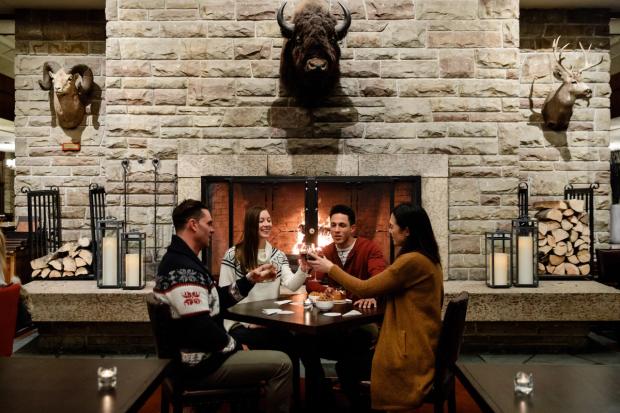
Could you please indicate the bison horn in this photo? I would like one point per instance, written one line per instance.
(286, 28)
(342, 27)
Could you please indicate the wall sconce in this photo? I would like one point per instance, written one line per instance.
(108, 234)
(497, 249)
(134, 252)
(525, 253)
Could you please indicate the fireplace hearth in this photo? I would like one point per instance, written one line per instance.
(299, 207)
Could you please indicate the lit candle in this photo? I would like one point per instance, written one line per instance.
(110, 263)
(500, 269)
(525, 250)
(132, 270)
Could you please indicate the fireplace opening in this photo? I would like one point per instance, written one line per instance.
(299, 208)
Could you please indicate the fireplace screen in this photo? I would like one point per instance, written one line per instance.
(299, 208)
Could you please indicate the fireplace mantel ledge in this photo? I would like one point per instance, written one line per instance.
(82, 301)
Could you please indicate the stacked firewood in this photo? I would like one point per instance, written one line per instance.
(563, 237)
(73, 259)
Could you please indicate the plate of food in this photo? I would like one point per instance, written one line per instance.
(335, 296)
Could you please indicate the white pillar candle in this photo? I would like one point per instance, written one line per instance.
(132, 270)
(500, 269)
(525, 250)
(110, 264)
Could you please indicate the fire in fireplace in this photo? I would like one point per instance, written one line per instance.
(299, 208)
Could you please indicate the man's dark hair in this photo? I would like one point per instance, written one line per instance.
(186, 210)
(343, 209)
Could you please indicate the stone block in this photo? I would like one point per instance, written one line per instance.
(262, 146)
(427, 87)
(187, 29)
(173, 14)
(498, 9)
(404, 34)
(364, 39)
(257, 10)
(210, 92)
(465, 244)
(231, 29)
(376, 54)
(313, 146)
(129, 97)
(435, 201)
(409, 69)
(313, 165)
(124, 125)
(266, 68)
(256, 87)
(447, 10)
(170, 97)
(472, 129)
(464, 39)
(211, 49)
(360, 69)
(132, 29)
(491, 88)
(497, 58)
(141, 4)
(286, 117)
(149, 49)
(453, 104)
(252, 49)
(245, 116)
(216, 9)
(536, 68)
(404, 165)
(390, 9)
(176, 68)
(407, 110)
(456, 63)
(464, 191)
(377, 87)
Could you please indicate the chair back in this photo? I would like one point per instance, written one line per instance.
(608, 261)
(9, 297)
(450, 339)
(163, 329)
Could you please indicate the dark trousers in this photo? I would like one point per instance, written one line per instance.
(353, 351)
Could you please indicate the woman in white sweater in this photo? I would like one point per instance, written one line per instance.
(252, 251)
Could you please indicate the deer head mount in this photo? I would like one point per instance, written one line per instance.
(558, 107)
(69, 92)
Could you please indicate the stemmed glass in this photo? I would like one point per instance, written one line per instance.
(304, 250)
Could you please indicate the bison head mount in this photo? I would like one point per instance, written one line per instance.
(558, 107)
(309, 65)
(69, 92)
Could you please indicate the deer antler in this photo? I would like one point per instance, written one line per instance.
(585, 59)
(559, 58)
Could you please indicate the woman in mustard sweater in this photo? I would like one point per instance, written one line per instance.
(403, 365)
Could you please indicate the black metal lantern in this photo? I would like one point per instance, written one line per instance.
(108, 237)
(133, 253)
(525, 252)
(497, 250)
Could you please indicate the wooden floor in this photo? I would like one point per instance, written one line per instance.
(464, 403)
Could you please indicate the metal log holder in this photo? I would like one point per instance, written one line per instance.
(96, 204)
(587, 195)
(155, 181)
(44, 227)
(522, 199)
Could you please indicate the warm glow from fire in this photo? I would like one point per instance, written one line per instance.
(324, 238)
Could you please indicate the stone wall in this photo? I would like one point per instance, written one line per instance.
(550, 160)
(66, 38)
(430, 88)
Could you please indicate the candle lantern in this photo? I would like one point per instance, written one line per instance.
(134, 252)
(525, 252)
(108, 235)
(497, 249)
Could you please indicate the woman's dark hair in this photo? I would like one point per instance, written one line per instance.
(421, 237)
(246, 250)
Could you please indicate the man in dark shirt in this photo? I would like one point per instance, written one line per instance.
(209, 355)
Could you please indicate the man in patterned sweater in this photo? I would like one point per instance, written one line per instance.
(209, 355)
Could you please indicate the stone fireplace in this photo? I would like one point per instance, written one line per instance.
(437, 89)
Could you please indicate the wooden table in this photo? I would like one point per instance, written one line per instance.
(70, 385)
(557, 388)
(301, 321)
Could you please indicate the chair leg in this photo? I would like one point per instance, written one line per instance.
(438, 405)
(165, 400)
(452, 398)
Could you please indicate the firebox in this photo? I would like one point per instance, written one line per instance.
(299, 208)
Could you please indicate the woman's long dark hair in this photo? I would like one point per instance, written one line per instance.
(421, 237)
(246, 250)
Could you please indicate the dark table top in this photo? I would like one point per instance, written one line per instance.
(70, 385)
(301, 321)
(557, 388)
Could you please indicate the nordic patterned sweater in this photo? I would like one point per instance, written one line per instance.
(196, 302)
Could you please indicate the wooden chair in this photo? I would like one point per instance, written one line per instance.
(448, 349)
(9, 296)
(241, 399)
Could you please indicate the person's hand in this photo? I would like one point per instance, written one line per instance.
(319, 263)
(263, 273)
(303, 264)
(366, 303)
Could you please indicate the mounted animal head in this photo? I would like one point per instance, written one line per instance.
(309, 65)
(558, 107)
(69, 92)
